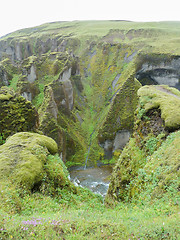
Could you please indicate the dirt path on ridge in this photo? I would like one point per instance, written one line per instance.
(167, 91)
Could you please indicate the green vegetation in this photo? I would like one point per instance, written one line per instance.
(164, 98)
(80, 77)
(14, 81)
(148, 167)
(30, 170)
(86, 218)
(103, 57)
(163, 36)
(24, 114)
(160, 175)
(27, 153)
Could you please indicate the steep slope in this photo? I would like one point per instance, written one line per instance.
(148, 167)
(81, 78)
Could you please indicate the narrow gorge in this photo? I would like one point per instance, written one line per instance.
(86, 94)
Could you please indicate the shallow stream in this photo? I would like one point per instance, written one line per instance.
(96, 179)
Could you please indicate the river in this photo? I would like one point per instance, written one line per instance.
(96, 179)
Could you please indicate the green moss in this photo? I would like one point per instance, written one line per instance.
(22, 157)
(16, 114)
(28, 166)
(148, 166)
(166, 100)
(56, 177)
(38, 100)
(5, 97)
(14, 81)
(160, 176)
(121, 113)
(126, 169)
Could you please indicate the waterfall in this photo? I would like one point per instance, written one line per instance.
(87, 156)
(89, 149)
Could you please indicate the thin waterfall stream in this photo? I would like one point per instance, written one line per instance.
(85, 166)
(96, 179)
(87, 156)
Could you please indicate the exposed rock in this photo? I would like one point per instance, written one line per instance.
(121, 139)
(27, 96)
(49, 121)
(160, 70)
(128, 58)
(114, 82)
(3, 78)
(108, 149)
(50, 106)
(26, 89)
(67, 88)
(63, 92)
(6, 72)
(32, 75)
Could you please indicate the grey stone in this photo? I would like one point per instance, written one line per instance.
(27, 96)
(114, 82)
(121, 139)
(161, 72)
(32, 75)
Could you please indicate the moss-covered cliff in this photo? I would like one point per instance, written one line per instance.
(148, 167)
(81, 77)
(16, 114)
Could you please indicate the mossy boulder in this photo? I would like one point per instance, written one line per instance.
(16, 114)
(148, 166)
(29, 163)
(23, 156)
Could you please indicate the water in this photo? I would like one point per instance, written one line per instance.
(87, 158)
(96, 179)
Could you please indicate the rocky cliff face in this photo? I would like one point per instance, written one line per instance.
(84, 86)
(160, 69)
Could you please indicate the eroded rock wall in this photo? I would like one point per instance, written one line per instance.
(160, 69)
(85, 91)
